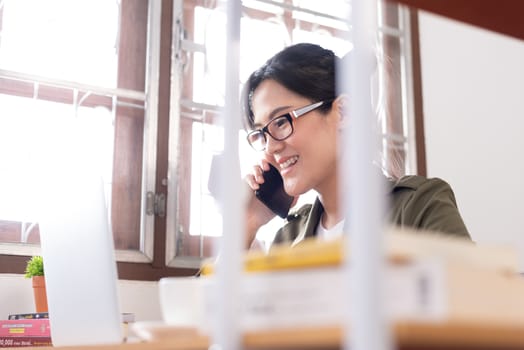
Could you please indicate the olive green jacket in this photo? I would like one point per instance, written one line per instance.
(415, 202)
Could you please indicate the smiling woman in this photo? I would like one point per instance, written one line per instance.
(308, 153)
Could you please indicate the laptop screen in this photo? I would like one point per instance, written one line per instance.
(78, 251)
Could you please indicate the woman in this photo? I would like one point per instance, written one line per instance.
(294, 117)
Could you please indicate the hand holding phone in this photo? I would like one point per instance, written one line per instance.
(272, 193)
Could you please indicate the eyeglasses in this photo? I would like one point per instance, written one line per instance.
(279, 128)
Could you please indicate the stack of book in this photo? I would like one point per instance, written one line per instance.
(427, 278)
(23, 330)
(33, 329)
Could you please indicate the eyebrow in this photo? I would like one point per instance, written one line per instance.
(274, 113)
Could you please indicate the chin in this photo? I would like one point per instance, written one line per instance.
(293, 191)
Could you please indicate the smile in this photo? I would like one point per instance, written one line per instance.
(289, 162)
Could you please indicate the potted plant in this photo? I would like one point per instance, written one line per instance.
(35, 270)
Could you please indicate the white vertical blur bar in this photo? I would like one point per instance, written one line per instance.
(365, 326)
(226, 332)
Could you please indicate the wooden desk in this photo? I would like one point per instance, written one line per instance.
(408, 336)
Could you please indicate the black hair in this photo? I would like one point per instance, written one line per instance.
(306, 69)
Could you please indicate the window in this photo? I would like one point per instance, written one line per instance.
(266, 27)
(58, 68)
(155, 113)
(34, 95)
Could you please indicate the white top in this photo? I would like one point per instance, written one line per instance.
(331, 234)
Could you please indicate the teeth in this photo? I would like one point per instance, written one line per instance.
(289, 162)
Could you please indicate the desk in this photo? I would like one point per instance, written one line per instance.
(408, 336)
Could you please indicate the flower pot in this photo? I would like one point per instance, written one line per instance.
(40, 293)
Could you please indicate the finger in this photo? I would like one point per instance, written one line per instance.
(264, 164)
(250, 179)
(258, 174)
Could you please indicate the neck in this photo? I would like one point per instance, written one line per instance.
(330, 200)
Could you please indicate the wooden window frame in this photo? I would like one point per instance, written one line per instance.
(191, 244)
(128, 160)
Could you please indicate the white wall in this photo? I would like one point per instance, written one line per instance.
(138, 297)
(473, 90)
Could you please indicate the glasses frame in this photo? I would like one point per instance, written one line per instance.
(294, 114)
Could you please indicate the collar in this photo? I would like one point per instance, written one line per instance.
(313, 218)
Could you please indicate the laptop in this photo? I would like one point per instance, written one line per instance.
(78, 251)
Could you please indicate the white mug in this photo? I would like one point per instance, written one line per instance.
(182, 301)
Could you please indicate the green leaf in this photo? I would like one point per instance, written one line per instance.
(34, 267)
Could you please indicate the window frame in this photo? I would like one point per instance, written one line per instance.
(137, 265)
(179, 203)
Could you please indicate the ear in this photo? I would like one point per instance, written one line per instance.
(341, 106)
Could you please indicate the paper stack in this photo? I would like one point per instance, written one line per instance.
(428, 278)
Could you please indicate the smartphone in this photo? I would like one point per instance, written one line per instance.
(272, 193)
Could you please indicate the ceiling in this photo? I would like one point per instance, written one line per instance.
(502, 16)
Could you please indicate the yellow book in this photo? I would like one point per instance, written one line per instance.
(309, 253)
(401, 245)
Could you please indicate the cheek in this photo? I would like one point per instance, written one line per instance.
(325, 152)
(318, 151)
(315, 139)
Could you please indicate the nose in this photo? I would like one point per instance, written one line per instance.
(273, 146)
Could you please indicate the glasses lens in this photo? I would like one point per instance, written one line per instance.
(280, 128)
(257, 140)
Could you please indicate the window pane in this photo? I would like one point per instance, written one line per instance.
(70, 40)
(77, 61)
(27, 127)
(335, 12)
(210, 31)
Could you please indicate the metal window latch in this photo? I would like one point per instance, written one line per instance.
(156, 204)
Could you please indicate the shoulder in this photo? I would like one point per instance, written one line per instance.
(418, 183)
(426, 203)
(421, 188)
